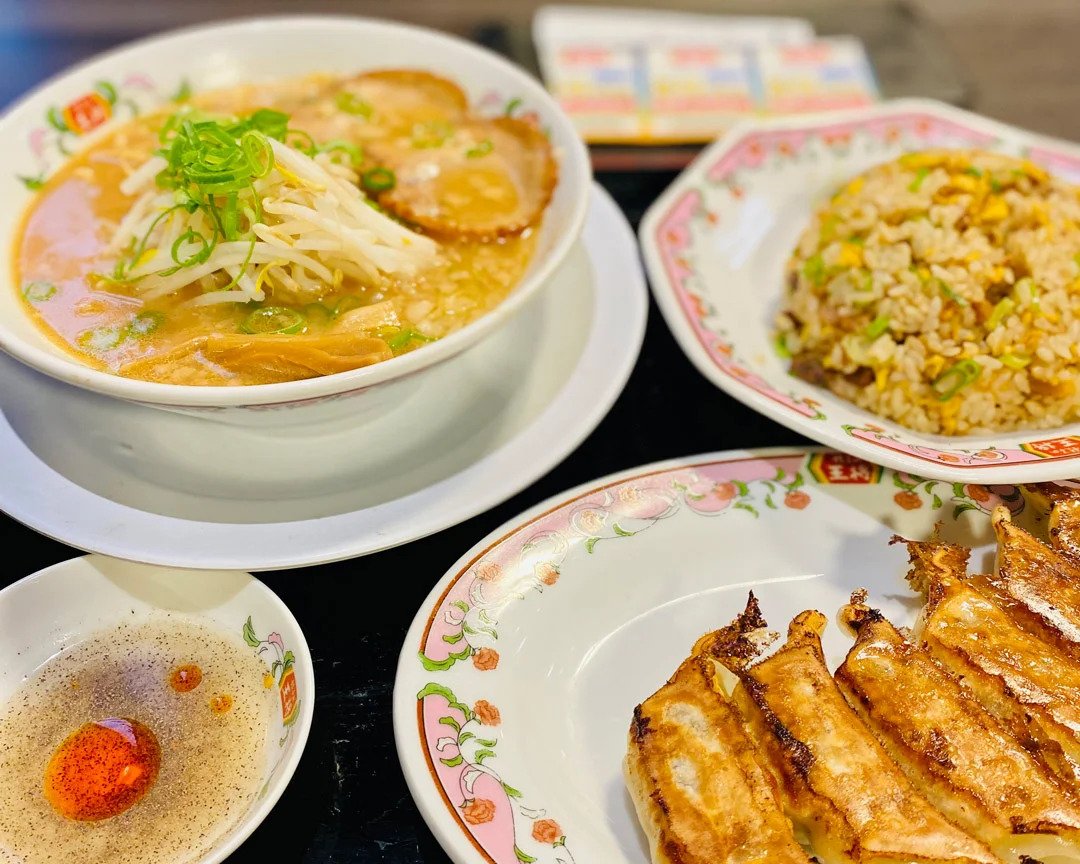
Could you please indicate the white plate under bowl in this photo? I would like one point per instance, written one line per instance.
(63, 605)
(716, 243)
(86, 469)
(521, 670)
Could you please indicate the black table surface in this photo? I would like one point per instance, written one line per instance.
(348, 801)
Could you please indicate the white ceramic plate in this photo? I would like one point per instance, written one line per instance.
(58, 607)
(717, 240)
(543, 383)
(519, 675)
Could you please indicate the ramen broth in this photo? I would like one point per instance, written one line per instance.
(64, 248)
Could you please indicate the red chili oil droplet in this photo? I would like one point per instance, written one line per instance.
(186, 678)
(102, 769)
(221, 703)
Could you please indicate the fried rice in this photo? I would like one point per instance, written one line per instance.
(942, 291)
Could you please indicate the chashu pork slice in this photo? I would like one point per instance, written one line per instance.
(701, 792)
(839, 784)
(1028, 684)
(969, 766)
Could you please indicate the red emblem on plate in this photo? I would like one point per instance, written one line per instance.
(842, 468)
(1054, 448)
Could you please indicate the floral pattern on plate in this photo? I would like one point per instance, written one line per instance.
(716, 241)
(281, 674)
(458, 719)
(64, 125)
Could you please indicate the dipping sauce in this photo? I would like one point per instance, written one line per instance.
(102, 769)
(103, 758)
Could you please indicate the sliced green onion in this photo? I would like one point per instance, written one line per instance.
(272, 124)
(920, 175)
(259, 153)
(403, 337)
(973, 171)
(274, 319)
(1015, 361)
(198, 256)
(952, 295)
(1002, 310)
(814, 269)
(317, 311)
(300, 140)
(1076, 258)
(38, 292)
(480, 150)
(995, 185)
(229, 217)
(379, 180)
(355, 154)
(857, 239)
(352, 104)
(137, 249)
(145, 322)
(955, 378)
(878, 326)
(1028, 284)
(513, 105)
(780, 346)
(102, 338)
(243, 267)
(212, 165)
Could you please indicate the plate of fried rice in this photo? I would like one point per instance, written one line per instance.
(901, 282)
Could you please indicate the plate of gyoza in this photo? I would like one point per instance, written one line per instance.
(776, 656)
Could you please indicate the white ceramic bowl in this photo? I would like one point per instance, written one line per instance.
(62, 605)
(715, 244)
(109, 89)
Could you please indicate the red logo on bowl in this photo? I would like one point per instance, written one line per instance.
(844, 469)
(87, 112)
(290, 697)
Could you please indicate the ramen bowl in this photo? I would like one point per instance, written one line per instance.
(86, 102)
(81, 599)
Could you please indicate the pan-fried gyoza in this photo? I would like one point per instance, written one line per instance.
(958, 741)
(699, 787)
(839, 784)
(1063, 506)
(1025, 682)
(1039, 585)
(969, 766)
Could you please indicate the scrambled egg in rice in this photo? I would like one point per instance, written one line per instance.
(942, 290)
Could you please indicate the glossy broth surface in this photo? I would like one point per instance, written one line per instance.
(62, 249)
